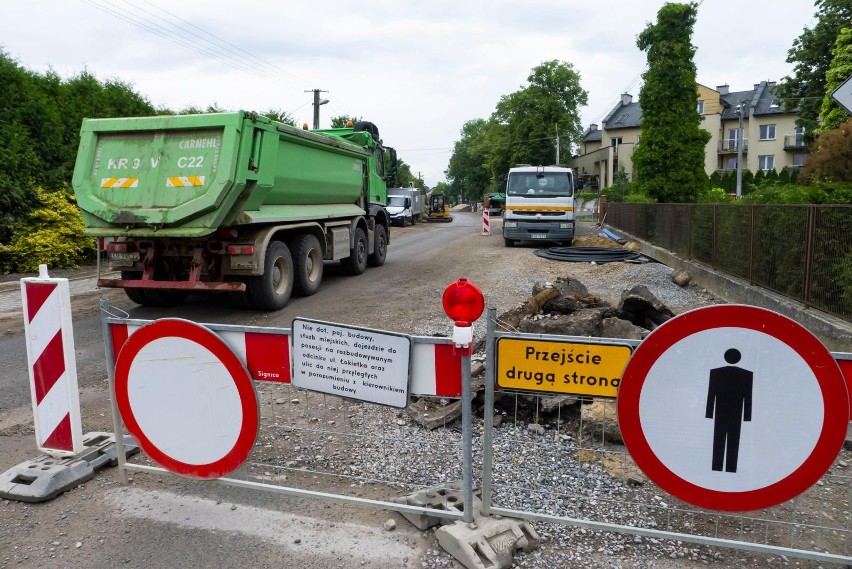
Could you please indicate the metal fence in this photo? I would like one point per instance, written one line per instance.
(803, 252)
(588, 480)
(538, 461)
(326, 447)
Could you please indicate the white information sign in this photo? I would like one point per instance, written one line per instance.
(358, 363)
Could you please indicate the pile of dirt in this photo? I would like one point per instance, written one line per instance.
(594, 241)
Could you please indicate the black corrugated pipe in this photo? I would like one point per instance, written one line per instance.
(592, 254)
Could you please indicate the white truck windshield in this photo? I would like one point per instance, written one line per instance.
(540, 184)
(396, 201)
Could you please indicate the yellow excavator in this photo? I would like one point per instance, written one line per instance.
(439, 209)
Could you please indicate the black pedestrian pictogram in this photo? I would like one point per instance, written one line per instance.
(729, 404)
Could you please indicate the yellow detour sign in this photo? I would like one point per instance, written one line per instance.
(561, 367)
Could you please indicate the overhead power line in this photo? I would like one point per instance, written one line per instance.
(183, 33)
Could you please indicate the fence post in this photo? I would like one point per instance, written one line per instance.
(751, 234)
(714, 236)
(488, 412)
(689, 211)
(117, 424)
(809, 254)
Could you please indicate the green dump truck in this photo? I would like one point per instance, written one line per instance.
(231, 202)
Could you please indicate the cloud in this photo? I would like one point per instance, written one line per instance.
(419, 70)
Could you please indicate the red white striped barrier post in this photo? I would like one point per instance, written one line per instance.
(486, 223)
(52, 367)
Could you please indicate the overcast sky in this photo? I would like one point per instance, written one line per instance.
(419, 70)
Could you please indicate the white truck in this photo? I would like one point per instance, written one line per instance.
(405, 205)
(539, 205)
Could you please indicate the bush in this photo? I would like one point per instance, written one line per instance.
(638, 198)
(713, 195)
(51, 234)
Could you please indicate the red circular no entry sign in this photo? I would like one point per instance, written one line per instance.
(186, 398)
(733, 407)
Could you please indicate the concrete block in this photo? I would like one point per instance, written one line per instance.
(449, 498)
(43, 478)
(489, 542)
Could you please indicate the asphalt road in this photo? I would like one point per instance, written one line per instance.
(167, 521)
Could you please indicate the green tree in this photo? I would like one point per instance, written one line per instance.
(832, 114)
(468, 172)
(669, 160)
(811, 57)
(524, 125)
(281, 116)
(340, 121)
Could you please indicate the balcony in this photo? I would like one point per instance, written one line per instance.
(729, 145)
(794, 142)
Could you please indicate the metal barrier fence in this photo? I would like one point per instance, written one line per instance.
(803, 252)
(313, 445)
(590, 481)
(542, 465)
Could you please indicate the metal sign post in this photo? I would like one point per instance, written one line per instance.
(463, 302)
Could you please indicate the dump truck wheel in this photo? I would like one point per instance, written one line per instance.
(380, 239)
(307, 264)
(136, 295)
(356, 262)
(271, 290)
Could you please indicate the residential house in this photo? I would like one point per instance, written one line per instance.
(771, 139)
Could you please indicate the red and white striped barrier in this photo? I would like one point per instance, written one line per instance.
(52, 367)
(486, 223)
(436, 370)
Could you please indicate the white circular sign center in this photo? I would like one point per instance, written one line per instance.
(185, 400)
(778, 422)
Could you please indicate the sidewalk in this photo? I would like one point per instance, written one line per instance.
(80, 280)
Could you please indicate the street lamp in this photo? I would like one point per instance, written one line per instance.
(740, 111)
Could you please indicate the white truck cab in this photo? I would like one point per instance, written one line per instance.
(539, 205)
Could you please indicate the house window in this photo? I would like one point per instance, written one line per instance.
(766, 162)
(799, 159)
(775, 104)
(700, 107)
(731, 164)
(767, 132)
(731, 142)
(615, 142)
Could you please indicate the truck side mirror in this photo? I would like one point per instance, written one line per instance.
(407, 202)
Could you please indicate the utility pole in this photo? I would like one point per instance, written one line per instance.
(557, 143)
(740, 142)
(317, 103)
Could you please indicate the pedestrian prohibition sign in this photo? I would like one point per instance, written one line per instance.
(186, 398)
(733, 408)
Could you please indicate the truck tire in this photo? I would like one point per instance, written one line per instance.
(307, 264)
(380, 253)
(272, 289)
(136, 295)
(356, 262)
(414, 219)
